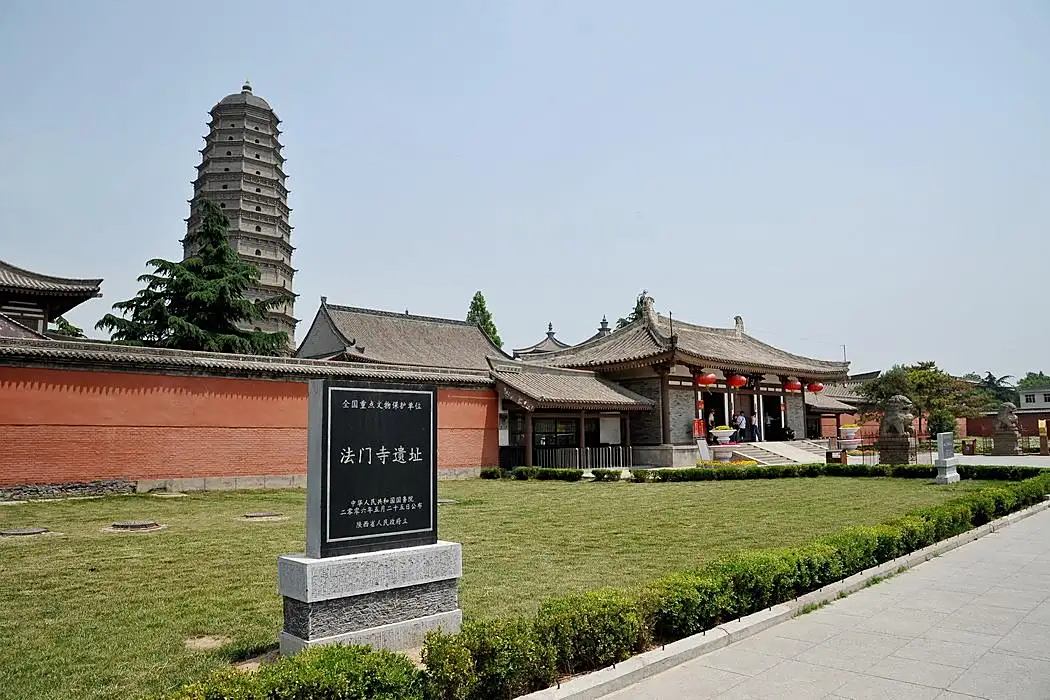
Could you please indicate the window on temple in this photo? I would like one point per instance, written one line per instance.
(258, 228)
(1029, 398)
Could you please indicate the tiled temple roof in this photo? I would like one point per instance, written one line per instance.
(128, 358)
(18, 279)
(649, 339)
(827, 404)
(548, 344)
(368, 335)
(10, 328)
(549, 387)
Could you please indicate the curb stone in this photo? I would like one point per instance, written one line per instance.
(647, 664)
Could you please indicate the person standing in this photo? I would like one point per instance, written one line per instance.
(755, 436)
(741, 427)
(710, 425)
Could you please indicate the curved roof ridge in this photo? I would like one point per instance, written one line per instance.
(395, 314)
(52, 278)
(697, 326)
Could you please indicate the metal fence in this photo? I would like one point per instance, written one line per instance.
(1029, 444)
(920, 450)
(608, 457)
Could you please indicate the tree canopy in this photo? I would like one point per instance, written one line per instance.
(636, 312)
(66, 328)
(1033, 380)
(197, 304)
(933, 391)
(480, 316)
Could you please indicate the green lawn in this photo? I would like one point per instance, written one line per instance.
(89, 614)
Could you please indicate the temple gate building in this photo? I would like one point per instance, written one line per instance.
(242, 170)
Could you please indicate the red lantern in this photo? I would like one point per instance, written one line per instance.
(815, 387)
(736, 381)
(706, 379)
(792, 385)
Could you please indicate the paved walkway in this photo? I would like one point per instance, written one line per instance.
(974, 622)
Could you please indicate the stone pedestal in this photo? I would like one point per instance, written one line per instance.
(894, 450)
(1005, 444)
(946, 471)
(389, 599)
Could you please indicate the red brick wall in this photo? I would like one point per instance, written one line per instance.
(67, 425)
(1028, 423)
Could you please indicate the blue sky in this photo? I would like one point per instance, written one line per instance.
(874, 175)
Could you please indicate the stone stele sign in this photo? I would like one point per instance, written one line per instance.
(377, 465)
(374, 571)
(945, 445)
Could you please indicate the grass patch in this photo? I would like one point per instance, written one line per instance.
(89, 614)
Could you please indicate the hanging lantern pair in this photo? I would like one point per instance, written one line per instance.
(792, 385)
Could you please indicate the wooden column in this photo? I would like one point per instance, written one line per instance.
(665, 409)
(626, 437)
(805, 414)
(583, 418)
(528, 438)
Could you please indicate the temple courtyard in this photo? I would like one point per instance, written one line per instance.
(93, 613)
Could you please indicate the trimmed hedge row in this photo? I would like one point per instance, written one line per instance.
(495, 659)
(343, 672)
(606, 474)
(546, 474)
(580, 633)
(788, 471)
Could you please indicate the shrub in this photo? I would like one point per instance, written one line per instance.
(491, 473)
(450, 673)
(940, 421)
(606, 474)
(336, 671)
(591, 630)
(509, 658)
(640, 476)
(684, 604)
(344, 672)
(523, 473)
(545, 474)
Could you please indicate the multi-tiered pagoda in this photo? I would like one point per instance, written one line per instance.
(242, 170)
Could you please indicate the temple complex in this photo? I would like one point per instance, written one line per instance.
(642, 394)
(242, 170)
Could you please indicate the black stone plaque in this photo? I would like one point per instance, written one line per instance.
(378, 485)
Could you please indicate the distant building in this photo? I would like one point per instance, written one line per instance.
(1033, 406)
(31, 300)
(242, 170)
(548, 344)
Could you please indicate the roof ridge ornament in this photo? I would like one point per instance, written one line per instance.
(247, 87)
(739, 321)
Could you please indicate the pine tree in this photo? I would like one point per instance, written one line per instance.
(479, 316)
(64, 327)
(196, 304)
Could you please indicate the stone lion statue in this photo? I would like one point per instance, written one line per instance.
(897, 419)
(1006, 420)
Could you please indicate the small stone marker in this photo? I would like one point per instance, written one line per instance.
(946, 461)
(374, 571)
(23, 531)
(262, 514)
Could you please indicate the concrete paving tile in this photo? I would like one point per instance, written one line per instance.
(945, 634)
(949, 695)
(738, 660)
(822, 677)
(781, 647)
(1040, 615)
(832, 659)
(910, 625)
(807, 629)
(941, 652)
(997, 675)
(868, 644)
(872, 688)
(764, 689)
(689, 680)
(936, 601)
(1028, 640)
(983, 619)
(912, 671)
(1025, 599)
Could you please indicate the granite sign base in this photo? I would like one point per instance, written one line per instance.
(388, 599)
(947, 473)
